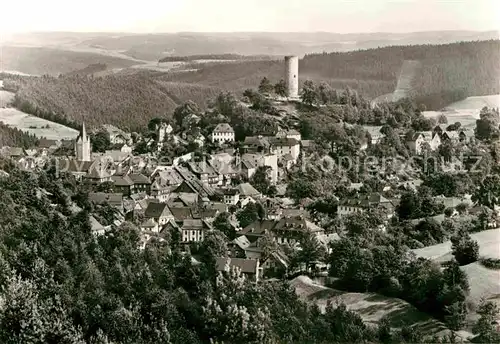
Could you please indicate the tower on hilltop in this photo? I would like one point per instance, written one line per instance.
(292, 76)
(82, 146)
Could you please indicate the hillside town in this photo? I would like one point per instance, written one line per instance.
(193, 193)
(294, 212)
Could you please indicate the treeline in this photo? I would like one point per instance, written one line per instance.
(89, 70)
(14, 137)
(212, 57)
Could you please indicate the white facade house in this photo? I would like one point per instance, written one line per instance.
(419, 140)
(231, 196)
(284, 146)
(223, 133)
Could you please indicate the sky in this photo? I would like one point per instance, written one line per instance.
(341, 16)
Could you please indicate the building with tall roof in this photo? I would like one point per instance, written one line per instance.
(222, 133)
(82, 146)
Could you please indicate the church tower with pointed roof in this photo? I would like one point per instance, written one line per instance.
(82, 146)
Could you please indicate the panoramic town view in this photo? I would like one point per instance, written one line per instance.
(190, 172)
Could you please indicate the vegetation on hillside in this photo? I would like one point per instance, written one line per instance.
(15, 138)
(130, 101)
(89, 70)
(60, 284)
(447, 72)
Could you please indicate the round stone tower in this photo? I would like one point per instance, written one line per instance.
(292, 76)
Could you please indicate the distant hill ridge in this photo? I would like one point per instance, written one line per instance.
(447, 73)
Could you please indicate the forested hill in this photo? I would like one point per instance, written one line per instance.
(130, 101)
(469, 67)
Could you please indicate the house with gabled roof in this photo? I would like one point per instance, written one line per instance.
(116, 135)
(96, 227)
(284, 146)
(238, 246)
(191, 230)
(362, 202)
(223, 133)
(98, 173)
(150, 225)
(206, 173)
(289, 134)
(231, 196)
(276, 264)
(285, 230)
(256, 144)
(158, 212)
(141, 182)
(123, 184)
(246, 190)
(12, 152)
(417, 142)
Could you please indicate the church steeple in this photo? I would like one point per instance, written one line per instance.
(84, 132)
(82, 146)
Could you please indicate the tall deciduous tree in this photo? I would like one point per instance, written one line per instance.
(309, 94)
(488, 193)
(464, 249)
(487, 126)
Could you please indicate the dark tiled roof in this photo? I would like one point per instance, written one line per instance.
(367, 200)
(155, 210)
(259, 227)
(230, 192)
(181, 213)
(223, 128)
(103, 197)
(259, 141)
(122, 181)
(283, 141)
(138, 178)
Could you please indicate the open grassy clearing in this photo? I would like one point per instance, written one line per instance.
(370, 306)
(489, 247)
(34, 125)
(466, 111)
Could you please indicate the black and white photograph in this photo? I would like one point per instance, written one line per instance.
(249, 171)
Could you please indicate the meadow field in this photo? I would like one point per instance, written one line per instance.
(466, 111)
(31, 124)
